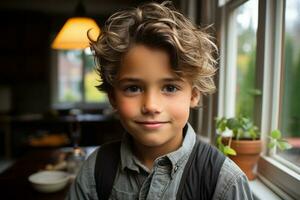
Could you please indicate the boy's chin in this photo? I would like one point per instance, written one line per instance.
(150, 143)
(155, 141)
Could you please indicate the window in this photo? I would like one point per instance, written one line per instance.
(246, 27)
(260, 70)
(76, 79)
(290, 106)
(240, 24)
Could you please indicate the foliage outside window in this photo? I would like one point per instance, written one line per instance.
(290, 107)
(77, 78)
(246, 27)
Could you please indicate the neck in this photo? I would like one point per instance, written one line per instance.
(148, 154)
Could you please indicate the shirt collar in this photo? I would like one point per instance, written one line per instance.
(180, 155)
(128, 160)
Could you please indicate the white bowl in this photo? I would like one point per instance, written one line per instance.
(49, 181)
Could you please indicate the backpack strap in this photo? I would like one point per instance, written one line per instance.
(198, 180)
(107, 162)
(201, 172)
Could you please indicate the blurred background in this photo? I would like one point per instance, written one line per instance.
(48, 99)
(46, 91)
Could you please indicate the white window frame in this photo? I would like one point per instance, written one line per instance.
(228, 52)
(269, 66)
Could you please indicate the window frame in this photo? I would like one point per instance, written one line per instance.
(269, 163)
(227, 81)
(269, 70)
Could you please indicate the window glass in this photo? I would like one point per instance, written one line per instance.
(290, 107)
(77, 78)
(69, 76)
(246, 18)
(91, 79)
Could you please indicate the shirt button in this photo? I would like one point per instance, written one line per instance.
(175, 168)
(161, 162)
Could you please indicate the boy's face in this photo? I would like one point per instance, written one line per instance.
(153, 103)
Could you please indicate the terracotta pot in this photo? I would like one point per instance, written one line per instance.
(248, 152)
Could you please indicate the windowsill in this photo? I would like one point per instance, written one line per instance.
(261, 191)
(279, 178)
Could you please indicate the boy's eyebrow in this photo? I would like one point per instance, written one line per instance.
(128, 80)
(122, 80)
(176, 79)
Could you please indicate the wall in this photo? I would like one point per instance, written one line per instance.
(24, 60)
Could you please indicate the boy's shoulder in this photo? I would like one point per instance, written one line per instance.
(232, 183)
(230, 173)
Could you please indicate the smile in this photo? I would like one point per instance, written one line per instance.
(151, 124)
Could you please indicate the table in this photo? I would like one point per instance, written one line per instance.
(14, 181)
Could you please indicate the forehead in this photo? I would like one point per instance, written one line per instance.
(144, 61)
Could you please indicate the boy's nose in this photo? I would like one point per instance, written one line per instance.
(151, 104)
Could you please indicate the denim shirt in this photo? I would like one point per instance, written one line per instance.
(135, 181)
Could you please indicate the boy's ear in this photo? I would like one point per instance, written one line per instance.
(195, 98)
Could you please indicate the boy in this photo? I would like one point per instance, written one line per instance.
(154, 65)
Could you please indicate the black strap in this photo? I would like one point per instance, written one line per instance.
(186, 170)
(201, 173)
(107, 161)
(198, 180)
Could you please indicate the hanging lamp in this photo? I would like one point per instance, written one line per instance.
(73, 34)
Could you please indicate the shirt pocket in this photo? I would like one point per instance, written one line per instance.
(117, 194)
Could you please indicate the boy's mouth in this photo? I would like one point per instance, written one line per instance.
(152, 124)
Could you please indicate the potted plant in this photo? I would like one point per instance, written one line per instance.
(239, 139)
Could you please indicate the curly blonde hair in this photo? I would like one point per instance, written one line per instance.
(190, 48)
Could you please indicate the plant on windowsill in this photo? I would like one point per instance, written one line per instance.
(276, 141)
(239, 139)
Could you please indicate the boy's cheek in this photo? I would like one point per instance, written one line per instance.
(127, 108)
(180, 111)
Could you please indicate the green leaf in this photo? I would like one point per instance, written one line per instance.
(223, 126)
(283, 145)
(219, 140)
(221, 123)
(221, 148)
(233, 123)
(229, 151)
(276, 134)
(220, 145)
(253, 134)
(272, 144)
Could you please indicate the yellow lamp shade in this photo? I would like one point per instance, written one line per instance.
(73, 34)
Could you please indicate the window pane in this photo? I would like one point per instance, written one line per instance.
(69, 76)
(91, 80)
(246, 27)
(290, 110)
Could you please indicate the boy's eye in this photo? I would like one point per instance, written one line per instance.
(170, 89)
(133, 89)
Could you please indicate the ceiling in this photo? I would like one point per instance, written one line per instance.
(65, 7)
